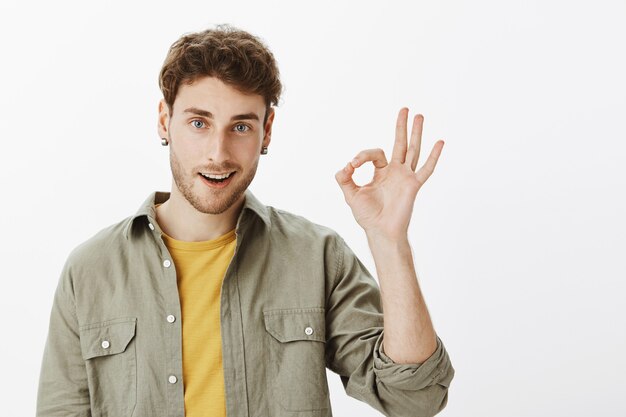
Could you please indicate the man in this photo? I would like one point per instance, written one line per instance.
(208, 303)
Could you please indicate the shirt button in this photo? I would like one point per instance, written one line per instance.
(167, 263)
(105, 344)
(171, 318)
(308, 331)
(151, 226)
(172, 379)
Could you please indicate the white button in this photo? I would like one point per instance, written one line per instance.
(105, 344)
(167, 263)
(151, 226)
(172, 379)
(171, 318)
(308, 331)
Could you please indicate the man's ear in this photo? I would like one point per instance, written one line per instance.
(268, 127)
(163, 120)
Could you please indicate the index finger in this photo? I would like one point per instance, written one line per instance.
(377, 156)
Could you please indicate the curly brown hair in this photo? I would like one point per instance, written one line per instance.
(234, 56)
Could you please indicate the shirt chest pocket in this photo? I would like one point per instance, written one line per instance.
(297, 367)
(111, 364)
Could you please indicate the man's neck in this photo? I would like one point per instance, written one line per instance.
(180, 220)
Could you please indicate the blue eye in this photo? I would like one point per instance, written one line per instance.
(197, 123)
(246, 128)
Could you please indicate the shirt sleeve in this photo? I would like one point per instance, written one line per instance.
(354, 323)
(63, 389)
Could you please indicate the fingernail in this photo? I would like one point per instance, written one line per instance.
(355, 162)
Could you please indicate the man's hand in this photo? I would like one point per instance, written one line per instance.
(384, 206)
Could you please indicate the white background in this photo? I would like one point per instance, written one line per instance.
(519, 235)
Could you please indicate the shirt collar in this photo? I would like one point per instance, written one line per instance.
(147, 208)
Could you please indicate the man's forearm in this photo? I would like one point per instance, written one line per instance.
(409, 334)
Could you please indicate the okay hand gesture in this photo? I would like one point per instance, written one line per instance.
(384, 206)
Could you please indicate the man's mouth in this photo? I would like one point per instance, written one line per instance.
(216, 178)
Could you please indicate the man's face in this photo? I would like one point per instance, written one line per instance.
(214, 129)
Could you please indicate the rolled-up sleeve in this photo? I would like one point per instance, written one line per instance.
(355, 332)
(429, 380)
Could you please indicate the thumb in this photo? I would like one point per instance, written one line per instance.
(344, 179)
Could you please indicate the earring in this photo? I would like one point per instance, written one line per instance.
(264, 150)
(164, 141)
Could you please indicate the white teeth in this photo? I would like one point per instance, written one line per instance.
(216, 177)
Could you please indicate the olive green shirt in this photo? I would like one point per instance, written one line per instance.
(295, 300)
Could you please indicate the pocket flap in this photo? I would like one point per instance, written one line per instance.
(107, 337)
(296, 324)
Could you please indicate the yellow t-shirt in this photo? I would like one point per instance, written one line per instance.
(200, 269)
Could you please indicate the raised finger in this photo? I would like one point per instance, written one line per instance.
(399, 146)
(377, 156)
(413, 154)
(429, 166)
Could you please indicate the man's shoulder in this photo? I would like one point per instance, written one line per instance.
(106, 241)
(291, 225)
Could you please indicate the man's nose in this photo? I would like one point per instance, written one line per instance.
(218, 148)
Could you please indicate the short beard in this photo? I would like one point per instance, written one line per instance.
(215, 206)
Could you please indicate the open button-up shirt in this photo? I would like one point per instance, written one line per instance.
(295, 300)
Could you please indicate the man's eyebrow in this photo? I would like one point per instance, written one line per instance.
(208, 114)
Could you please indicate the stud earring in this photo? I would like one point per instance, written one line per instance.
(164, 141)
(264, 150)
